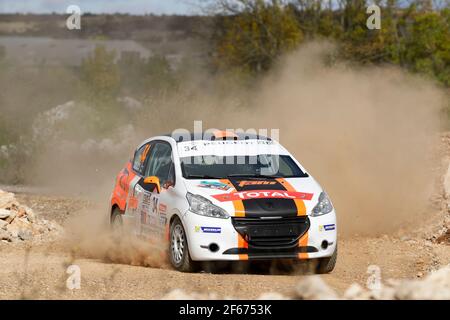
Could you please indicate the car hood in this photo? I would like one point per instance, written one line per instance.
(284, 197)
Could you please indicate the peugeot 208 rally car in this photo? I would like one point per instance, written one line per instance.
(228, 197)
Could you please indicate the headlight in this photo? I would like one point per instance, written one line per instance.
(324, 205)
(204, 207)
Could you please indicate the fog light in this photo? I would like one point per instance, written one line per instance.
(213, 247)
(324, 244)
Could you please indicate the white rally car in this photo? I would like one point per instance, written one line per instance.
(225, 197)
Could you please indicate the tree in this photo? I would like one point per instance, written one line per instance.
(131, 68)
(100, 77)
(314, 16)
(362, 45)
(250, 35)
(414, 34)
(158, 76)
(428, 45)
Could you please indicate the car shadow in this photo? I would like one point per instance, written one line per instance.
(260, 267)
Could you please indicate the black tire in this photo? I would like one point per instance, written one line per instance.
(116, 222)
(179, 248)
(326, 265)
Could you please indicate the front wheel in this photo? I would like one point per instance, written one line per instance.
(326, 265)
(178, 248)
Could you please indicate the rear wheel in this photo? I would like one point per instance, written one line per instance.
(116, 222)
(178, 248)
(326, 265)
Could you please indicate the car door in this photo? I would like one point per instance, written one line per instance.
(155, 205)
(133, 192)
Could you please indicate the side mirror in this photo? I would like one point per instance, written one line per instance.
(169, 184)
(154, 181)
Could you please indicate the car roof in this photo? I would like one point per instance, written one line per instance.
(214, 135)
(217, 135)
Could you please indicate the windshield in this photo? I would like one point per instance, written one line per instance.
(221, 167)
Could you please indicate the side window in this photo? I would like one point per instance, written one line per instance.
(139, 158)
(160, 162)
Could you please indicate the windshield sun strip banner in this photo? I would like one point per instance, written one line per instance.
(229, 148)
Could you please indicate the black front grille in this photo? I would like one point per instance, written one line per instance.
(280, 233)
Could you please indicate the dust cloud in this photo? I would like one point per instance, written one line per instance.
(365, 133)
(88, 236)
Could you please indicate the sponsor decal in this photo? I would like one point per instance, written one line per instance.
(225, 147)
(208, 229)
(327, 227)
(163, 220)
(143, 218)
(154, 204)
(133, 203)
(211, 229)
(255, 183)
(214, 185)
(162, 208)
(263, 194)
(196, 145)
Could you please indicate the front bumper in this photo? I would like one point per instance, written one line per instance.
(234, 239)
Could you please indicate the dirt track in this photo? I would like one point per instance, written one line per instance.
(39, 271)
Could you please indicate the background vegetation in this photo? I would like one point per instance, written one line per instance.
(233, 46)
(251, 35)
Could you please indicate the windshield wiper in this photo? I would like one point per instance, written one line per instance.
(251, 175)
(200, 176)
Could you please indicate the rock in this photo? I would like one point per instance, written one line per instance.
(19, 225)
(314, 288)
(40, 229)
(25, 235)
(21, 212)
(435, 286)
(7, 200)
(5, 235)
(3, 224)
(11, 217)
(386, 293)
(177, 294)
(356, 292)
(272, 296)
(428, 244)
(4, 214)
(30, 214)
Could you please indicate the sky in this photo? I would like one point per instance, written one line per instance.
(100, 6)
(108, 6)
